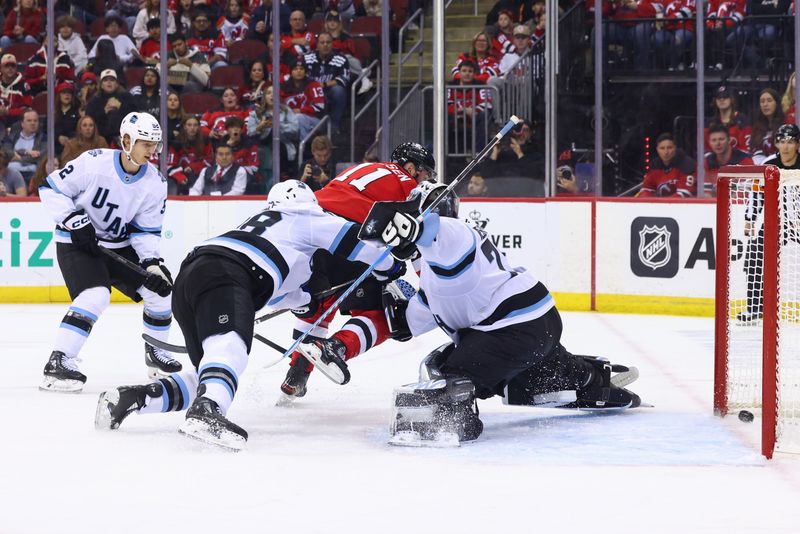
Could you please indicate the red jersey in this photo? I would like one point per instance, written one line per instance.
(669, 182)
(308, 99)
(215, 120)
(352, 193)
(488, 67)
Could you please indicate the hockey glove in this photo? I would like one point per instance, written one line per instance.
(314, 308)
(395, 302)
(82, 232)
(403, 229)
(159, 279)
(394, 272)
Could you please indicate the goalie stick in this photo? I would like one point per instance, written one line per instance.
(513, 121)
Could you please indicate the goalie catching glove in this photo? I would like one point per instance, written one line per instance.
(158, 279)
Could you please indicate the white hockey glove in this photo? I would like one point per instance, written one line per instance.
(403, 229)
(159, 279)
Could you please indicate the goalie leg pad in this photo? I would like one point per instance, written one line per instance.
(435, 413)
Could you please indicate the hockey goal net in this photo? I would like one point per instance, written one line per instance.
(757, 330)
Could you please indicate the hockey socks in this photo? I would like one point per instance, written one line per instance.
(224, 360)
(157, 322)
(79, 320)
(179, 391)
(366, 329)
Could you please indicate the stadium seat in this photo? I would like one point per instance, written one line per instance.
(366, 25)
(198, 103)
(133, 76)
(222, 77)
(316, 25)
(22, 51)
(246, 50)
(363, 50)
(40, 104)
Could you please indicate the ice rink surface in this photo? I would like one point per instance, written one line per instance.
(323, 465)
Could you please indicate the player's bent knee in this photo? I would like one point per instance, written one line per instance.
(95, 300)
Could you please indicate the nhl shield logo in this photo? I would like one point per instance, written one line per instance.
(654, 249)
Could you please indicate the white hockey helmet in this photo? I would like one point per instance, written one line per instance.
(139, 125)
(291, 192)
(427, 193)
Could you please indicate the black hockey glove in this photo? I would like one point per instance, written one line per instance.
(159, 279)
(394, 272)
(395, 299)
(314, 307)
(82, 232)
(404, 252)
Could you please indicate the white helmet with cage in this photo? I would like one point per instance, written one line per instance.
(137, 126)
(290, 192)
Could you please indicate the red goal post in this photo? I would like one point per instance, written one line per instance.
(757, 354)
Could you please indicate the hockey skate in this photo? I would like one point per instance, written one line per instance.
(205, 422)
(438, 413)
(328, 356)
(160, 364)
(600, 392)
(294, 386)
(115, 405)
(61, 374)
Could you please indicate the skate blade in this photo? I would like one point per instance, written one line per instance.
(227, 441)
(154, 373)
(411, 438)
(625, 378)
(57, 385)
(102, 416)
(335, 373)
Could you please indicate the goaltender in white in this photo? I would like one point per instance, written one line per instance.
(115, 200)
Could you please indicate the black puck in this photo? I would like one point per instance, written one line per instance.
(745, 416)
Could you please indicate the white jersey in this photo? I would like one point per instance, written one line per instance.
(125, 209)
(279, 242)
(465, 282)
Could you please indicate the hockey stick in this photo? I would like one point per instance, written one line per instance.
(135, 267)
(513, 121)
(183, 350)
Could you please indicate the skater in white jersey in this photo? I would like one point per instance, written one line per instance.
(112, 199)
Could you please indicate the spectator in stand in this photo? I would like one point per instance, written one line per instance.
(125, 10)
(251, 93)
(476, 187)
(724, 20)
(151, 10)
(88, 89)
(722, 153)
(320, 169)
(70, 42)
(760, 34)
(286, 58)
(208, 40)
(467, 109)
(516, 155)
(305, 96)
(344, 44)
(233, 23)
(110, 105)
(150, 48)
(35, 74)
(25, 144)
(346, 9)
(224, 177)
(672, 173)
(188, 156)
(522, 43)
(510, 6)
(787, 101)
(24, 24)
(182, 12)
(147, 95)
(245, 152)
(259, 126)
(175, 116)
(15, 95)
(566, 183)
(261, 20)
(86, 138)
(105, 59)
(503, 41)
(189, 71)
(725, 113)
(372, 8)
(680, 28)
(766, 122)
(67, 114)
(124, 48)
(213, 122)
(652, 40)
(299, 38)
(12, 184)
(330, 70)
(531, 12)
(481, 55)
